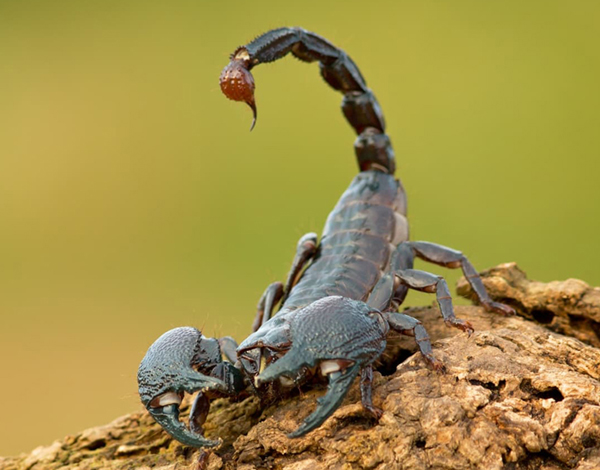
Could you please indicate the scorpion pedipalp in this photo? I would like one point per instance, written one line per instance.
(340, 336)
(184, 361)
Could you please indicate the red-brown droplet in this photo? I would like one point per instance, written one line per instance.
(237, 83)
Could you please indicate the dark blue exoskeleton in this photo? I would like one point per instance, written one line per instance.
(333, 314)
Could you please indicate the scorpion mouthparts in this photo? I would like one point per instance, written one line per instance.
(258, 381)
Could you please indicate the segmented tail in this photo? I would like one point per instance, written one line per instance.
(372, 146)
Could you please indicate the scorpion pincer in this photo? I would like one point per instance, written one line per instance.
(332, 315)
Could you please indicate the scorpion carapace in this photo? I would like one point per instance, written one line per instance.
(340, 300)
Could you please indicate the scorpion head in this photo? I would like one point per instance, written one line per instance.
(182, 360)
(334, 336)
(263, 347)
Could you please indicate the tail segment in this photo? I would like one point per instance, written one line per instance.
(372, 146)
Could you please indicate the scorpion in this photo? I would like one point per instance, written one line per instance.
(332, 316)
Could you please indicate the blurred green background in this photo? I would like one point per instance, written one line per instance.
(133, 199)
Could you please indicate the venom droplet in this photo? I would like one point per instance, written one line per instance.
(237, 84)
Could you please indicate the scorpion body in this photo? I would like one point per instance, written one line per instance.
(343, 291)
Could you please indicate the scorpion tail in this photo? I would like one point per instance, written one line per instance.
(372, 146)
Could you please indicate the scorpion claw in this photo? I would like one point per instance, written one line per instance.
(168, 418)
(182, 360)
(339, 384)
(336, 334)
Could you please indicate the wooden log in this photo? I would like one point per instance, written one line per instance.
(514, 395)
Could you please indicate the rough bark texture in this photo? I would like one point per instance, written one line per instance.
(568, 307)
(514, 395)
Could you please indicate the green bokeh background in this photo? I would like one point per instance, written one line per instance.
(133, 199)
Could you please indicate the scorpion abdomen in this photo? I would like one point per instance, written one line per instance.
(359, 237)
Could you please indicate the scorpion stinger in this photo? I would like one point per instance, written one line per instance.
(182, 360)
(237, 83)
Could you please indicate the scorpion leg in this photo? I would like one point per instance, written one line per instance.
(305, 250)
(447, 257)
(410, 326)
(272, 295)
(407, 278)
(381, 298)
(382, 293)
(366, 389)
(430, 283)
(278, 292)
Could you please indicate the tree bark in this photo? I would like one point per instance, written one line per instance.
(516, 394)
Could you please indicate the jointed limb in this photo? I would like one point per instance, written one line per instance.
(410, 326)
(305, 250)
(447, 257)
(277, 291)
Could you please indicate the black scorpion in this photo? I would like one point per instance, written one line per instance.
(343, 291)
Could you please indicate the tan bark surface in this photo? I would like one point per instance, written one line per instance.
(514, 395)
(569, 307)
